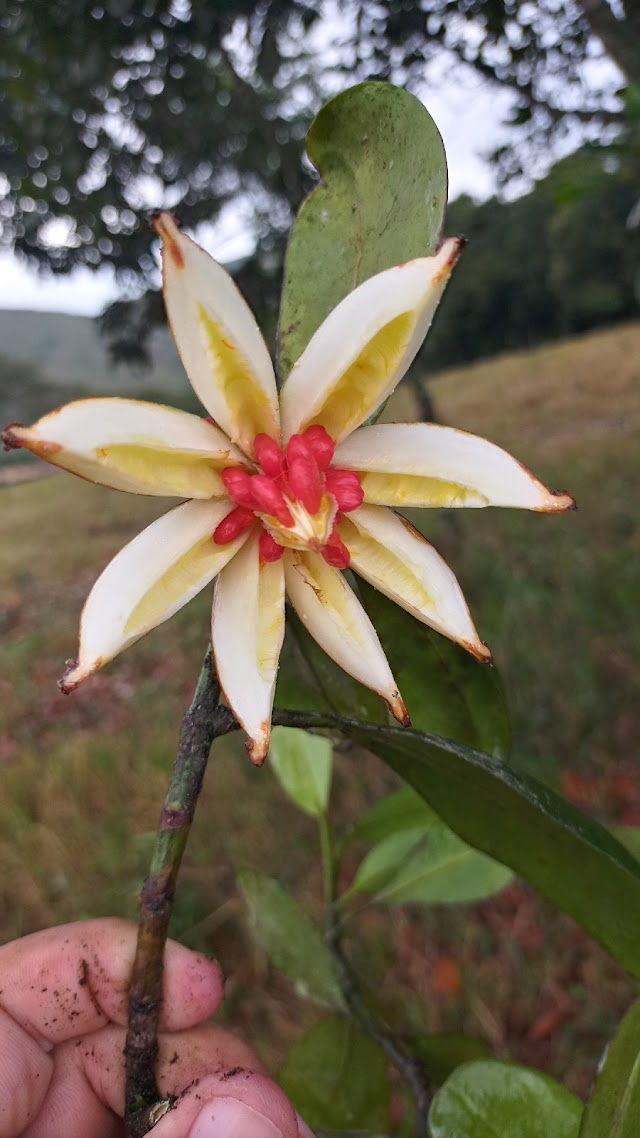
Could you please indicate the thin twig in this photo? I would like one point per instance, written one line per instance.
(405, 1063)
(204, 721)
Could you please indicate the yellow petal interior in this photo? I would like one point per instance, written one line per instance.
(383, 568)
(361, 387)
(332, 592)
(248, 403)
(270, 618)
(203, 560)
(415, 490)
(182, 472)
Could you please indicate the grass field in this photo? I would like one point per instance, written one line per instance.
(556, 597)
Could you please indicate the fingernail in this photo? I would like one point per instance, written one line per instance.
(230, 1118)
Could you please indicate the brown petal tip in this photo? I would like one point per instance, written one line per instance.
(257, 748)
(457, 245)
(562, 501)
(10, 437)
(480, 650)
(164, 225)
(67, 683)
(74, 675)
(398, 709)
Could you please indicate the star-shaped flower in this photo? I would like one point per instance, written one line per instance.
(284, 494)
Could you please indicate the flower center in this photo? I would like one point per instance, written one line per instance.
(297, 497)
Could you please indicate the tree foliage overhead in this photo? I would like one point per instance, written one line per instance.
(111, 109)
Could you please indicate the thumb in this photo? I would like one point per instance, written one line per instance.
(234, 1104)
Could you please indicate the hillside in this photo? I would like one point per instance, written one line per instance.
(70, 351)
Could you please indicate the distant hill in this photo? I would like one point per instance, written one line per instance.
(68, 350)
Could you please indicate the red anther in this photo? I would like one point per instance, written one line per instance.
(299, 447)
(305, 481)
(336, 553)
(234, 523)
(238, 485)
(208, 419)
(269, 455)
(321, 444)
(269, 499)
(346, 488)
(270, 549)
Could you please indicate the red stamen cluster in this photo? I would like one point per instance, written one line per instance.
(300, 473)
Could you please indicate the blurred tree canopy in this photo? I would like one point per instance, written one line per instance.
(557, 261)
(113, 108)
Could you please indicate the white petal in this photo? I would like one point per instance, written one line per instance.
(219, 342)
(332, 613)
(364, 347)
(148, 581)
(131, 445)
(422, 464)
(389, 553)
(247, 633)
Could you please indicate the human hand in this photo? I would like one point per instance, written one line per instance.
(63, 1014)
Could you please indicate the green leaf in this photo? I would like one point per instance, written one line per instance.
(290, 939)
(398, 812)
(443, 1052)
(446, 690)
(613, 1111)
(380, 201)
(629, 837)
(513, 818)
(303, 764)
(337, 1079)
(501, 1100)
(309, 680)
(428, 866)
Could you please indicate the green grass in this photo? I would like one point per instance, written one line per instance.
(556, 597)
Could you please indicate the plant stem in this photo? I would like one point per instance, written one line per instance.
(326, 854)
(203, 722)
(405, 1063)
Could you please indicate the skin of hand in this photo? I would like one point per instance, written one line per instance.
(63, 1014)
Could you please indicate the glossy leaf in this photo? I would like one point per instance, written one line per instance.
(380, 202)
(337, 1079)
(571, 859)
(428, 866)
(502, 1100)
(303, 764)
(613, 1111)
(446, 690)
(290, 939)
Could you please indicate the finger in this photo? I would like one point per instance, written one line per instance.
(86, 1090)
(72, 980)
(25, 1075)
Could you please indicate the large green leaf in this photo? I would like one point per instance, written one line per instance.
(290, 939)
(501, 1100)
(429, 866)
(447, 691)
(303, 764)
(337, 1079)
(513, 818)
(613, 1111)
(380, 201)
